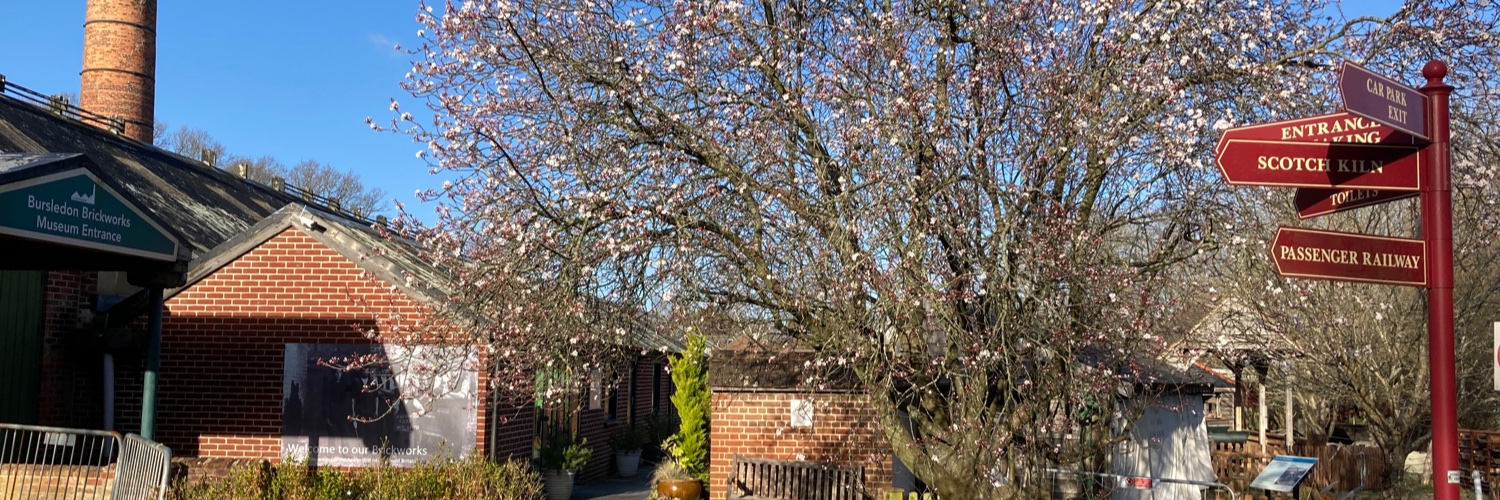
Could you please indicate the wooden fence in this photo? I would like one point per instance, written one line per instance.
(1479, 450)
(1237, 464)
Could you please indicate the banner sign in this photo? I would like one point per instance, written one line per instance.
(352, 405)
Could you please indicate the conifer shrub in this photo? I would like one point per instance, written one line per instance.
(689, 447)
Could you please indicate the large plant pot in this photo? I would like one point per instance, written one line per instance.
(559, 484)
(681, 489)
(628, 462)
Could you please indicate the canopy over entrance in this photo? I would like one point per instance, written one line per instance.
(57, 212)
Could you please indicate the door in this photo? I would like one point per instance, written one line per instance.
(20, 345)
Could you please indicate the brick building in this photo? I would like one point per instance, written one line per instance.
(762, 408)
(193, 345)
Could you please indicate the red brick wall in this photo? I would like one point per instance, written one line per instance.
(758, 424)
(223, 344)
(223, 347)
(514, 426)
(593, 424)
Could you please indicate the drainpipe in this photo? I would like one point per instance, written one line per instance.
(109, 392)
(153, 361)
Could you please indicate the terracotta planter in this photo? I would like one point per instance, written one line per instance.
(559, 484)
(681, 489)
(628, 462)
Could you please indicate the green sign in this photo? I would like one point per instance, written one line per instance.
(74, 208)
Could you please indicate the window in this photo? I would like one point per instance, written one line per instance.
(630, 403)
(612, 406)
(655, 387)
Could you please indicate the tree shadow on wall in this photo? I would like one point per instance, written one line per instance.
(343, 404)
(361, 404)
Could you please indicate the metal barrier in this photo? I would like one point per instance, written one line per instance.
(52, 462)
(143, 469)
(1144, 482)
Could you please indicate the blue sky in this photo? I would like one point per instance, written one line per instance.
(290, 79)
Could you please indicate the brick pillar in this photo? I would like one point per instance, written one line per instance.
(753, 396)
(119, 64)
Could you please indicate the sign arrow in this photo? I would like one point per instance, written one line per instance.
(1312, 202)
(1382, 99)
(1343, 128)
(1330, 255)
(1318, 165)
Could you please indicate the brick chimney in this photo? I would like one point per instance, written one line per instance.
(119, 64)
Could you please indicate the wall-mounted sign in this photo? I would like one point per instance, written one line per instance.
(350, 405)
(74, 208)
(802, 413)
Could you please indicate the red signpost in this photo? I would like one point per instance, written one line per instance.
(1364, 166)
(1437, 229)
(1339, 127)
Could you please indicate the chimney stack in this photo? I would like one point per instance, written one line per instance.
(119, 64)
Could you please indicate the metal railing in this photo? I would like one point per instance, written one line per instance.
(52, 462)
(60, 106)
(1144, 482)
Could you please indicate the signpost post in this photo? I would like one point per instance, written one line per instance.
(1437, 229)
(1391, 141)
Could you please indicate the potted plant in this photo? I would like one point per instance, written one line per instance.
(673, 481)
(658, 429)
(689, 447)
(627, 442)
(562, 457)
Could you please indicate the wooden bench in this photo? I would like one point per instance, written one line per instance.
(765, 479)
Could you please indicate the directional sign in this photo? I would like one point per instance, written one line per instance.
(1311, 253)
(1341, 128)
(1319, 165)
(1382, 99)
(1317, 202)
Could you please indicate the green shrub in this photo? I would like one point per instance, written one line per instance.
(628, 437)
(689, 447)
(473, 477)
(560, 451)
(245, 482)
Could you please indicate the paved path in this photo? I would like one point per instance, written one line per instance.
(617, 488)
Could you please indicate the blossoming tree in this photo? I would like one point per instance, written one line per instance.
(969, 206)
